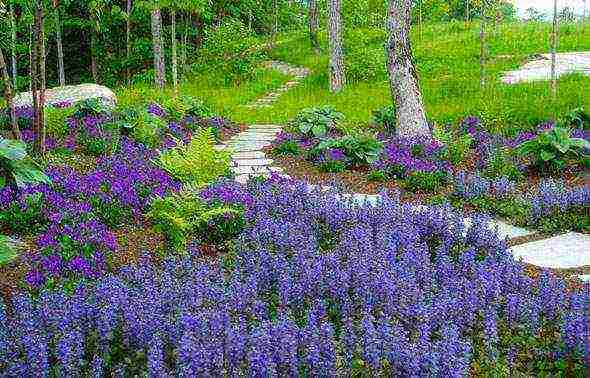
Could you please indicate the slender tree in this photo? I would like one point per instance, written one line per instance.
(174, 53)
(8, 96)
(336, 69)
(159, 62)
(128, 40)
(314, 26)
(38, 77)
(467, 12)
(482, 46)
(403, 78)
(13, 45)
(60, 51)
(554, 41)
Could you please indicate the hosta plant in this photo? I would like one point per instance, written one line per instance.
(360, 149)
(317, 122)
(552, 149)
(16, 167)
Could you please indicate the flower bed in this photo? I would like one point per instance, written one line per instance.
(524, 165)
(314, 286)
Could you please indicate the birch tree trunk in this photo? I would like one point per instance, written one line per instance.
(60, 51)
(185, 43)
(314, 26)
(128, 42)
(13, 46)
(174, 55)
(467, 14)
(336, 69)
(8, 95)
(403, 78)
(93, 62)
(482, 48)
(159, 63)
(554, 37)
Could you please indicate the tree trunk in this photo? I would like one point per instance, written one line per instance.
(403, 78)
(187, 26)
(337, 77)
(159, 63)
(174, 55)
(8, 95)
(39, 78)
(482, 48)
(128, 43)
(314, 26)
(13, 47)
(554, 37)
(467, 14)
(60, 51)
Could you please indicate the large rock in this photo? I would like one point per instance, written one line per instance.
(70, 94)
(539, 69)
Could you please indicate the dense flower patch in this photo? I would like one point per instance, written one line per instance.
(315, 286)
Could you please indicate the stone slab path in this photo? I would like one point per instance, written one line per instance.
(571, 250)
(539, 69)
(298, 73)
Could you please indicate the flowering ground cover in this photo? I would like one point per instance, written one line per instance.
(313, 285)
(535, 178)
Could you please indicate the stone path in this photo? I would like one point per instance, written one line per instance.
(298, 74)
(540, 68)
(571, 250)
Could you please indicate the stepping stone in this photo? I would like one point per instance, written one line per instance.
(504, 229)
(254, 170)
(571, 250)
(248, 155)
(584, 277)
(251, 137)
(248, 145)
(253, 162)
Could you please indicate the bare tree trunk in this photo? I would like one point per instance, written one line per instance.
(13, 46)
(482, 48)
(467, 14)
(39, 77)
(128, 42)
(337, 76)
(187, 25)
(93, 62)
(403, 78)
(31, 56)
(60, 51)
(8, 95)
(314, 26)
(159, 63)
(174, 55)
(554, 37)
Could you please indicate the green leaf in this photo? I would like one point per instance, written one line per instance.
(8, 250)
(12, 149)
(27, 173)
(546, 156)
(580, 143)
(319, 130)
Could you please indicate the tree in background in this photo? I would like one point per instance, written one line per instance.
(482, 46)
(158, 45)
(314, 24)
(13, 44)
(554, 41)
(129, 9)
(60, 50)
(8, 96)
(38, 77)
(403, 78)
(336, 68)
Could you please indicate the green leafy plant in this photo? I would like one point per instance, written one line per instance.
(361, 149)
(196, 107)
(56, 120)
(16, 167)
(501, 164)
(333, 166)
(142, 126)
(220, 224)
(552, 149)
(289, 147)
(197, 162)
(385, 118)
(456, 147)
(90, 107)
(8, 250)
(317, 122)
(578, 118)
(425, 181)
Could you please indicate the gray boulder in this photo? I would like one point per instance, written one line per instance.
(70, 94)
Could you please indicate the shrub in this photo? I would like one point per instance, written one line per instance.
(92, 107)
(143, 126)
(359, 149)
(500, 164)
(197, 162)
(288, 147)
(317, 122)
(456, 147)
(21, 213)
(220, 224)
(386, 118)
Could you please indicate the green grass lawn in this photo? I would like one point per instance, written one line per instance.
(447, 56)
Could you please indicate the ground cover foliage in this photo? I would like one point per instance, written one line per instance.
(314, 285)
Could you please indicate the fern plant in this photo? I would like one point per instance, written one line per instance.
(197, 162)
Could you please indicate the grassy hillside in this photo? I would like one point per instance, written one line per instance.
(447, 56)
